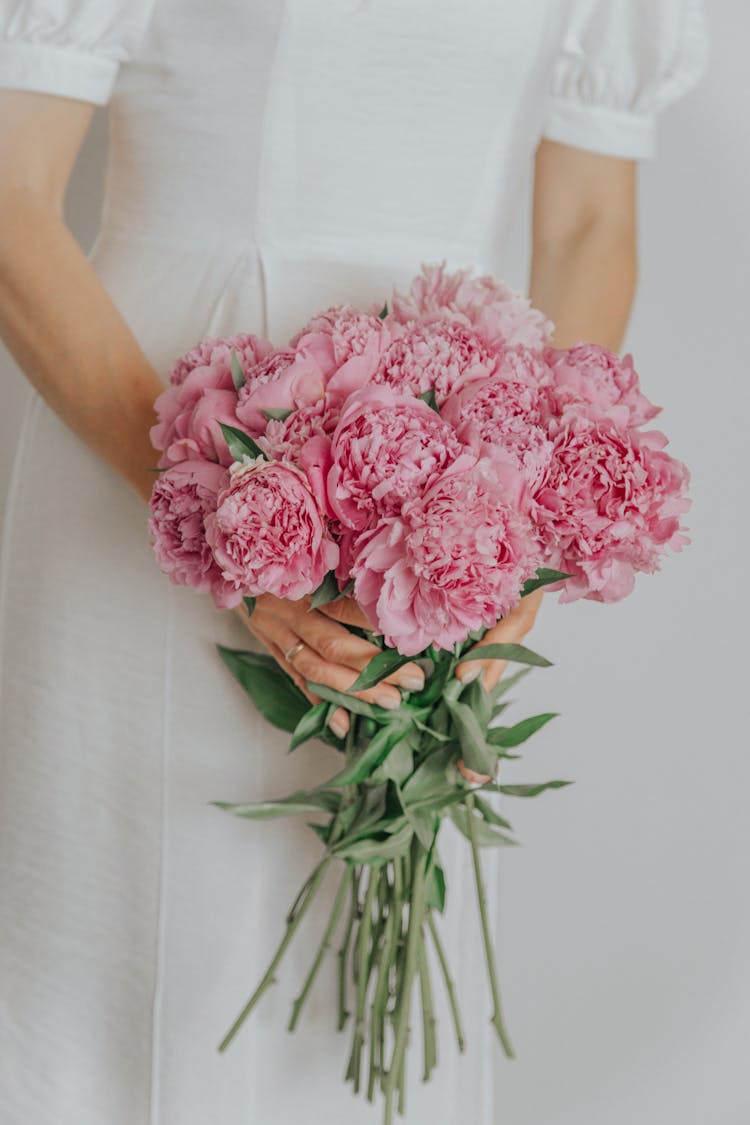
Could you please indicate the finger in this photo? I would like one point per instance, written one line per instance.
(348, 611)
(337, 645)
(339, 719)
(512, 629)
(312, 665)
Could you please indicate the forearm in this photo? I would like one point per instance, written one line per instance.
(70, 340)
(585, 283)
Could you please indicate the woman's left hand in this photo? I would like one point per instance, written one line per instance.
(509, 630)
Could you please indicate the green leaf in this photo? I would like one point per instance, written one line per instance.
(515, 735)
(430, 778)
(275, 695)
(532, 790)
(382, 664)
(312, 724)
(376, 851)
(357, 706)
(544, 577)
(424, 825)
(249, 606)
(480, 702)
(489, 814)
(277, 415)
(429, 398)
(518, 654)
(398, 763)
(474, 749)
(240, 444)
(327, 591)
(319, 801)
(238, 375)
(384, 311)
(374, 753)
(504, 685)
(487, 835)
(436, 888)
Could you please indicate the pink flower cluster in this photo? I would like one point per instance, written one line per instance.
(432, 458)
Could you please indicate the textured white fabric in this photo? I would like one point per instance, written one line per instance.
(266, 159)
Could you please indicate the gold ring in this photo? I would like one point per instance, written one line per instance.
(295, 650)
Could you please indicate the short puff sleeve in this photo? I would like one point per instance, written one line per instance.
(72, 48)
(621, 62)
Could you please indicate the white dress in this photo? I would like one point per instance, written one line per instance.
(267, 158)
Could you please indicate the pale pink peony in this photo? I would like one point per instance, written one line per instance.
(268, 534)
(181, 499)
(441, 356)
(345, 345)
(283, 380)
(498, 414)
(386, 450)
(498, 313)
(588, 379)
(216, 354)
(454, 561)
(610, 506)
(201, 395)
(285, 439)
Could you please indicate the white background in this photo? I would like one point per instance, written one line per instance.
(626, 925)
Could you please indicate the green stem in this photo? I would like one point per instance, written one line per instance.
(429, 1041)
(362, 950)
(343, 952)
(384, 966)
(324, 945)
(395, 1076)
(497, 1015)
(291, 929)
(448, 980)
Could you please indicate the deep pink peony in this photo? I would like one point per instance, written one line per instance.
(454, 561)
(268, 534)
(181, 499)
(386, 450)
(216, 354)
(498, 313)
(498, 414)
(345, 345)
(440, 356)
(201, 395)
(609, 507)
(283, 380)
(588, 379)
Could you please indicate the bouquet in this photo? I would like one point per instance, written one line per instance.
(437, 460)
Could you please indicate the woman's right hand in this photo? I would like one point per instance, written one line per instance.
(314, 645)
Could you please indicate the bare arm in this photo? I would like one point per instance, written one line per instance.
(55, 316)
(76, 349)
(583, 276)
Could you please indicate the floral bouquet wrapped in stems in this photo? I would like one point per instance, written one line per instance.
(437, 461)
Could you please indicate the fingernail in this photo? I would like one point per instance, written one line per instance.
(468, 675)
(339, 727)
(412, 683)
(389, 702)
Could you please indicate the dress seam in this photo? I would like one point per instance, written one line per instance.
(156, 1010)
(11, 502)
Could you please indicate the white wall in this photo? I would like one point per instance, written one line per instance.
(626, 921)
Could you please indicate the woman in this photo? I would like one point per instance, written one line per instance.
(267, 158)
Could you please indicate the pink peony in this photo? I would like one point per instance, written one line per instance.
(181, 499)
(440, 356)
(268, 534)
(285, 439)
(498, 314)
(503, 415)
(454, 561)
(386, 450)
(590, 380)
(216, 354)
(610, 506)
(283, 380)
(345, 345)
(201, 395)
